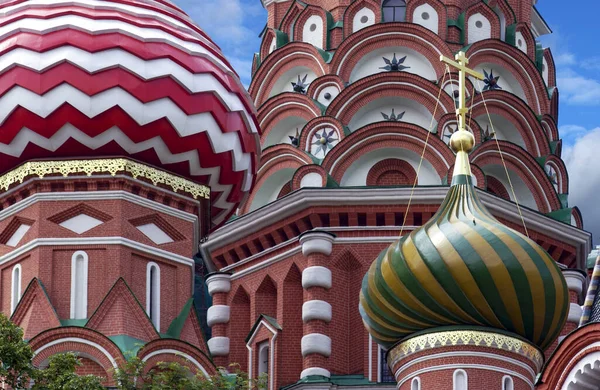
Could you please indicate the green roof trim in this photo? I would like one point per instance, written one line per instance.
(562, 215)
(281, 38)
(541, 160)
(347, 130)
(327, 56)
(177, 325)
(331, 183)
(553, 146)
(272, 321)
(564, 201)
(338, 24)
(127, 344)
(322, 107)
(511, 35)
(70, 322)
(330, 24)
(338, 380)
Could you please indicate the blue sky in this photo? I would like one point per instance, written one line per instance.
(235, 24)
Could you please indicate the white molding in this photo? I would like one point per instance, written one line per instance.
(305, 198)
(218, 314)
(575, 312)
(316, 242)
(271, 352)
(178, 353)
(316, 310)
(315, 371)
(416, 380)
(316, 343)
(455, 374)
(370, 344)
(82, 241)
(15, 298)
(510, 380)
(218, 346)
(316, 276)
(218, 283)
(74, 294)
(80, 341)
(575, 280)
(266, 263)
(149, 300)
(378, 363)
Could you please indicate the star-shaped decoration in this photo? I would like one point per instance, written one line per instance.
(300, 85)
(487, 134)
(324, 141)
(393, 117)
(395, 65)
(491, 82)
(295, 139)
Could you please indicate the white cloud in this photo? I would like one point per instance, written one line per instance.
(571, 130)
(584, 178)
(578, 89)
(564, 59)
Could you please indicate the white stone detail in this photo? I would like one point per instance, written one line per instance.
(316, 276)
(575, 281)
(18, 235)
(479, 28)
(156, 234)
(426, 16)
(315, 371)
(316, 242)
(363, 18)
(218, 283)
(219, 346)
(545, 71)
(316, 343)
(316, 310)
(81, 223)
(313, 31)
(575, 312)
(217, 314)
(520, 41)
(311, 179)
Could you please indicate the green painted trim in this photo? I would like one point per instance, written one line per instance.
(460, 24)
(347, 130)
(562, 215)
(322, 107)
(177, 324)
(326, 55)
(511, 35)
(272, 321)
(338, 24)
(329, 27)
(70, 322)
(541, 160)
(128, 345)
(564, 201)
(553, 146)
(281, 38)
(331, 183)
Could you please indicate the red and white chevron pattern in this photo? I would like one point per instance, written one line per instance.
(85, 78)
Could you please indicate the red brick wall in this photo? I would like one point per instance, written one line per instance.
(290, 312)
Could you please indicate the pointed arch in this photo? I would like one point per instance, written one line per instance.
(316, 125)
(550, 127)
(290, 17)
(328, 84)
(239, 326)
(415, 8)
(291, 316)
(153, 294)
(528, 46)
(312, 16)
(347, 355)
(562, 175)
(265, 298)
(79, 285)
(481, 23)
(356, 7)
(549, 68)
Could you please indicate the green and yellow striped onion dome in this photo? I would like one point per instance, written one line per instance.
(464, 267)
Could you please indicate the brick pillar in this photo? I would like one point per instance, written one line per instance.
(316, 309)
(576, 283)
(217, 316)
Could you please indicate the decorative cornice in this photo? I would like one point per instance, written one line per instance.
(112, 166)
(469, 337)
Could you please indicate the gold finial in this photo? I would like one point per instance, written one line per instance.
(462, 141)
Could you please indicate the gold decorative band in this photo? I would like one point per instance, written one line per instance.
(465, 337)
(111, 166)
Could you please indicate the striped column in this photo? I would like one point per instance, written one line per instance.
(217, 316)
(576, 283)
(316, 309)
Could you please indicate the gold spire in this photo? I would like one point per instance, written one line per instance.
(462, 141)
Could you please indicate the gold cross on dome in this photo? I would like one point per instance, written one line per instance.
(461, 64)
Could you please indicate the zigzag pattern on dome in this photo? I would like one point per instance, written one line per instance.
(344, 69)
(134, 78)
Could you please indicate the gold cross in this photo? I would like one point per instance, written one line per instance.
(461, 64)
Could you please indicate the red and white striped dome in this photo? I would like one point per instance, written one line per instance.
(138, 78)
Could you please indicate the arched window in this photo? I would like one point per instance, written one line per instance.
(460, 380)
(263, 358)
(415, 384)
(79, 285)
(394, 10)
(15, 295)
(507, 383)
(153, 294)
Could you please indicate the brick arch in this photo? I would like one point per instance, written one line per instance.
(486, 11)
(523, 28)
(282, 106)
(316, 125)
(576, 213)
(239, 326)
(356, 6)
(550, 127)
(309, 11)
(324, 81)
(273, 159)
(551, 67)
(563, 175)
(174, 350)
(413, 36)
(265, 298)
(291, 321)
(391, 172)
(90, 343)
(292, 55)
(266, 43)
(303, 171)
(525, 166)
(290, 16)
(450, 118)
(286, 189)
(570, 351)
(506, 9)
(517, 112)
(554, 103)
(518, 64)
(439, 7)
(496, 187)
(383, 135)
(401, 85)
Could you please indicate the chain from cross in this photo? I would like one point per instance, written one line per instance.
(461, 64)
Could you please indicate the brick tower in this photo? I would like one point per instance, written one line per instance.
(355, 107)
(126, 137)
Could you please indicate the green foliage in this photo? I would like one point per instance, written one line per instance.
(60, 375)
(16, 369)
